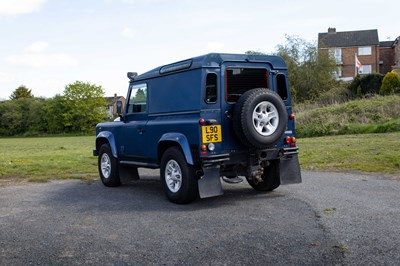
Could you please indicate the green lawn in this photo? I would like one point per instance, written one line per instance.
(366, 152)
(42, 159)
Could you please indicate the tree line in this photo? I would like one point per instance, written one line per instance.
(77, 110)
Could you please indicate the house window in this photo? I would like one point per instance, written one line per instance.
(366, 69)
(337, 54)
(364, 50)
(337, 73)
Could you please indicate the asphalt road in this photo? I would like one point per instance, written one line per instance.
(329, 219)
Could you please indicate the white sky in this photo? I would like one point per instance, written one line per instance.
(47, 44)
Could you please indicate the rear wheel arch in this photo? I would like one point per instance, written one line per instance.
(175, 139)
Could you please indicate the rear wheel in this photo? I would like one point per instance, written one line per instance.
(270, 178)
(108, 169)
(177, 177)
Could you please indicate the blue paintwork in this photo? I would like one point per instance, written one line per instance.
(107, 135)
(181, 140)
(215, 60)
(175, 103)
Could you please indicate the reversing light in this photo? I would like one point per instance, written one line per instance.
(211, 147)
(202, 121)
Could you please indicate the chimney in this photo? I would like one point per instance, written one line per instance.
(331, 30)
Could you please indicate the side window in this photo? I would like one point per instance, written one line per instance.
(137, 99)
(211, 88)
(282, 88)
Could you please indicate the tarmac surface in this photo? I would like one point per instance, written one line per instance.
(329, 219)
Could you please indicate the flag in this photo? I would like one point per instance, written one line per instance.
(358, 63)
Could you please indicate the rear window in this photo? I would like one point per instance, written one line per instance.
(240, 80)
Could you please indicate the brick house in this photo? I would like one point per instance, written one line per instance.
(115, 105)
(396, 52)
(375, 56)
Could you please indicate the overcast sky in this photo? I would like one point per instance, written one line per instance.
(47, 44)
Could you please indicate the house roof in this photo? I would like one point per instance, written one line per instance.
(111, 100)
(348, 38)
(386, 44)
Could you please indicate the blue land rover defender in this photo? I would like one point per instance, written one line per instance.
(212, 117)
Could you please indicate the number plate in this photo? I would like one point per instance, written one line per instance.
(211, 133)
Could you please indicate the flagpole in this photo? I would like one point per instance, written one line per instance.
(355, 65)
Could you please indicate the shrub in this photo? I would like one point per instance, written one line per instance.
(368, 84)
(390, 83)
(354, 85)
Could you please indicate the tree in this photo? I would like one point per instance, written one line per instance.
(21, 92)
(84, 106)
(390, 83)
(310, 70)
(55, 109)
(252, 52)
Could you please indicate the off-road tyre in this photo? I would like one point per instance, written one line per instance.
(178, 178)
(108, 167)
(259, 118)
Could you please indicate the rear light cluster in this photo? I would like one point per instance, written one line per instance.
(210, 147)
(291, 140)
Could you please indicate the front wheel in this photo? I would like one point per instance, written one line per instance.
(177, 177)
(108, 169)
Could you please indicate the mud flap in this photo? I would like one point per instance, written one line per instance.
(290, 170)
(127, 173)
(210, 183)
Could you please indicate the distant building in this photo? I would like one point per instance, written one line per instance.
(115, 105)
(349, 46)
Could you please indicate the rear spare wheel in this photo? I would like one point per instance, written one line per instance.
(259, 118)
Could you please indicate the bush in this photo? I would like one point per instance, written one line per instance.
(390, 83)
(354, 85)
(368, 84)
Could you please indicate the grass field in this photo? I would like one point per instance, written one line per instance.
(41, 159)
(48, 158)
(366, 152)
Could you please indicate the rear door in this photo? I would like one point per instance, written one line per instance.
(237, 78)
